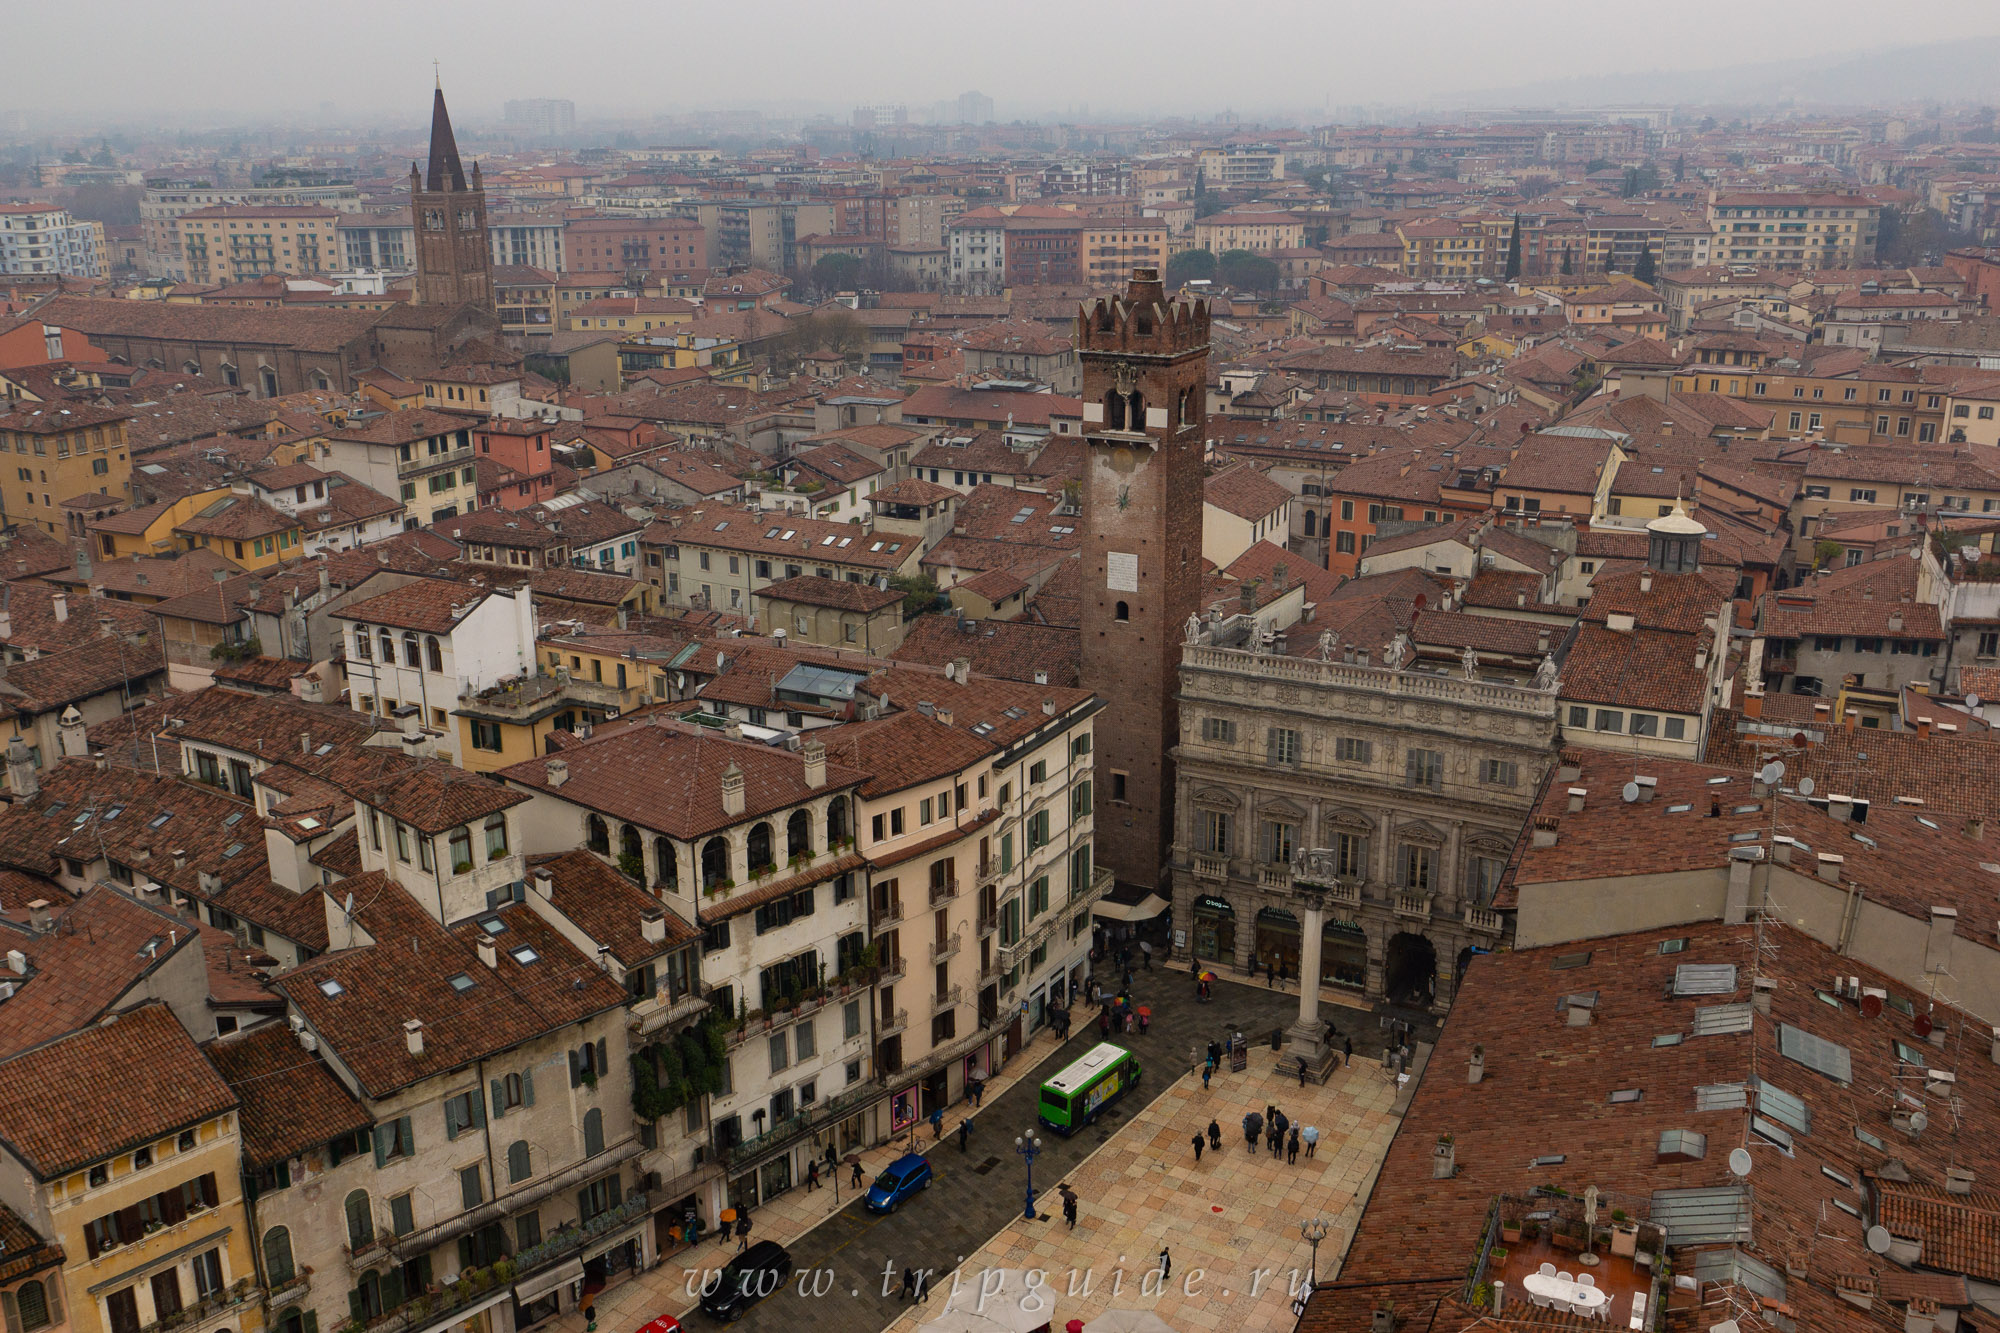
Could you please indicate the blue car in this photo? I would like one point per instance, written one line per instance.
(899, 1180)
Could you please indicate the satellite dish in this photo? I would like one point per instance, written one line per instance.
(1878, 1239)
(1972, 701)
(1770, 773)
(1919, 1122)
(1871, 1006)
(1807, 786)
(1739, 1162)
(1799, 741)
(1924, 1025)
(1631, 792)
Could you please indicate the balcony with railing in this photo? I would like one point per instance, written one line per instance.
(989, 871)
(758, 1022)
(1275, 877)
(291, 1291)
(945, 948)
(944, 892)
(1413, 904)
(808, 1119)
(892, 969)
(989, 920)
(1211, 867)
(886, 913)
(947, 999)
(893, 1023)
(210, 1309)
(1482, 919)
(1344, 893)
(427, 462)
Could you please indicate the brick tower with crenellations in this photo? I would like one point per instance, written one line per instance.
(1145, 410)
(448, 214)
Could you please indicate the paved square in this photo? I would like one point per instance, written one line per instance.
(1230, 1214)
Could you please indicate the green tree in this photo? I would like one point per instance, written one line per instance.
(920, 593)
(1681, 168)
(1565, 267)
(1826, 552)
(1246, 271)
(1514, 249)
(1190, 265)
(837, 273)
(1644, 270)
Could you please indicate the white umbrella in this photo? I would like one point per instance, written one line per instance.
(1009, 1304)
(1128, 1321)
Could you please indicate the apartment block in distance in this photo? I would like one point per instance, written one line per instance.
(236, 243)
(42, 238)
(1794, 230)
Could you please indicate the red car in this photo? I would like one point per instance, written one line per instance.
(666, 1323)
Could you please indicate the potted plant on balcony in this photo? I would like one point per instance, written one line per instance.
(1510, 1223)
(1624, 1235)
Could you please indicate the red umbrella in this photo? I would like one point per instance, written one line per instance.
(1073, 1326)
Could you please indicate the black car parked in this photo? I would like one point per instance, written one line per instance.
(752, 1275)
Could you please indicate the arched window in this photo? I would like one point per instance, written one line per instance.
(760, 846)
(291, 1321)
(1187, 407)
(1114, 410)
(593, 1132)
(836, 820)
(388, 648)
(367, 1300)
(1311, 524)
(360, 1220)
(519, 1168)
(798, 834)
(496, 836)
(434, 653)
(364, 647)
(38, 1305)
(1138, 410)
(1121, 612)
(597, 834)
(630, 844)
(714, 862)
(278, 1266)
(410, 657)
(269, 378)
(666, 864)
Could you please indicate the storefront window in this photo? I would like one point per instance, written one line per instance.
(1214, 929)
(1278, 939)
(1343, 955)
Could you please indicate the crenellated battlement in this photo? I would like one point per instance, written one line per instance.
(1143, 322)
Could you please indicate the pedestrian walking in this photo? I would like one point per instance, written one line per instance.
(1197, 1141)
(1292, 1148)
(978, 1092)
(1270, 973)
(1311, 1136)
(1215, 1053)
(1103, 1022)
(1166, 1265)
(742, 1232)
(1274, 1140)
(1253, 1126)
(1207, 1068)
(1302, 1071)
(1128, 980)
(909, 1283)
(964, 1132)
(832, 1160)
(1215, 1136)
(854, 1178)
(937, 1123)
(1069, 1206)
(1284, 971)
(1146, 953)
(1347, 1045)
(1281, 1120)
(1145, 1018)
(812, 1175)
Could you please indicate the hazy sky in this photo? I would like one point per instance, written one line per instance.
(371, 59)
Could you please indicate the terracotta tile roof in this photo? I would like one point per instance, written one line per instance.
(667, 777)
(838, 594)
(71, 675)
(1012, 650)
(60, 1112)
(378, 987)
(428, 606)
(1646, 668)
(289, 1100)
(427, 794)
(904, 749)
(1942, 770)
(237, 517)
(837, 463)
(609, 908)
(738, 901)
(103, 944)
(1246, 492)
(1457, 630)
(726, 527)
(1655, 600)
(1874, 598)
(316, 330)
(22, 1250)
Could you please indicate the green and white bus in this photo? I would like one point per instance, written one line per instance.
(1073, 1098)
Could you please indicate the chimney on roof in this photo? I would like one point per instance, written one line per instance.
(814, 753)
(1924, 727)
(489, 951)
(305, 742)
(1646, 580)
(6, 624)
(1753, 700)
(1920, 1315)
(1576, 795)
(1840, 807)
(545, 885)
(180, 858)
(732, 789)
(1048, 708)
(41, 918)
(1852, 719)
(1895, 622)
(1829, 866)
(1246, 596)
(960, 670)
(17, 962)
(413, 1035)
(557, 771)
(1975, 828)
(1958, 1180)
(22, 778)
(1937, 948)
(61, 603)
(1278, 575)
(653, 925)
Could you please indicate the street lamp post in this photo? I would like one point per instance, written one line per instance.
(1314, 1232)
(1029, 1147)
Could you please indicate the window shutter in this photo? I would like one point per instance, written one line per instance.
(311, 1324)
(209, 1195)
(478, 1099)
(527, 1087)
(575, 1070)
(583, 1204)
(451, 1120)
(616, 1197)
(603, 1057)
(499, 1100)
(354, 1307)
(404, 1132)
(383, 1136)
(7, 1308)
(1271, 745)
(52, 1293)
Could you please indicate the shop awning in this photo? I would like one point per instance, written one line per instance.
(1145, 909)
(541, 1284)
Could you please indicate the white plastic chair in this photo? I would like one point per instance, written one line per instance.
(1539, 1300)
(1547, 1270)
(1586, 1280)
(1564, 1277)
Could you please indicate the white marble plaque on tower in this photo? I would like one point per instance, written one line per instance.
(1121, 571)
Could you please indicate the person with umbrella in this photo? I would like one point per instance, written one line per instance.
(1253, 1126)
(1145, 1018)
(1310, 1134)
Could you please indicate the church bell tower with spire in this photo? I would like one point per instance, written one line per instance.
(454, 257)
